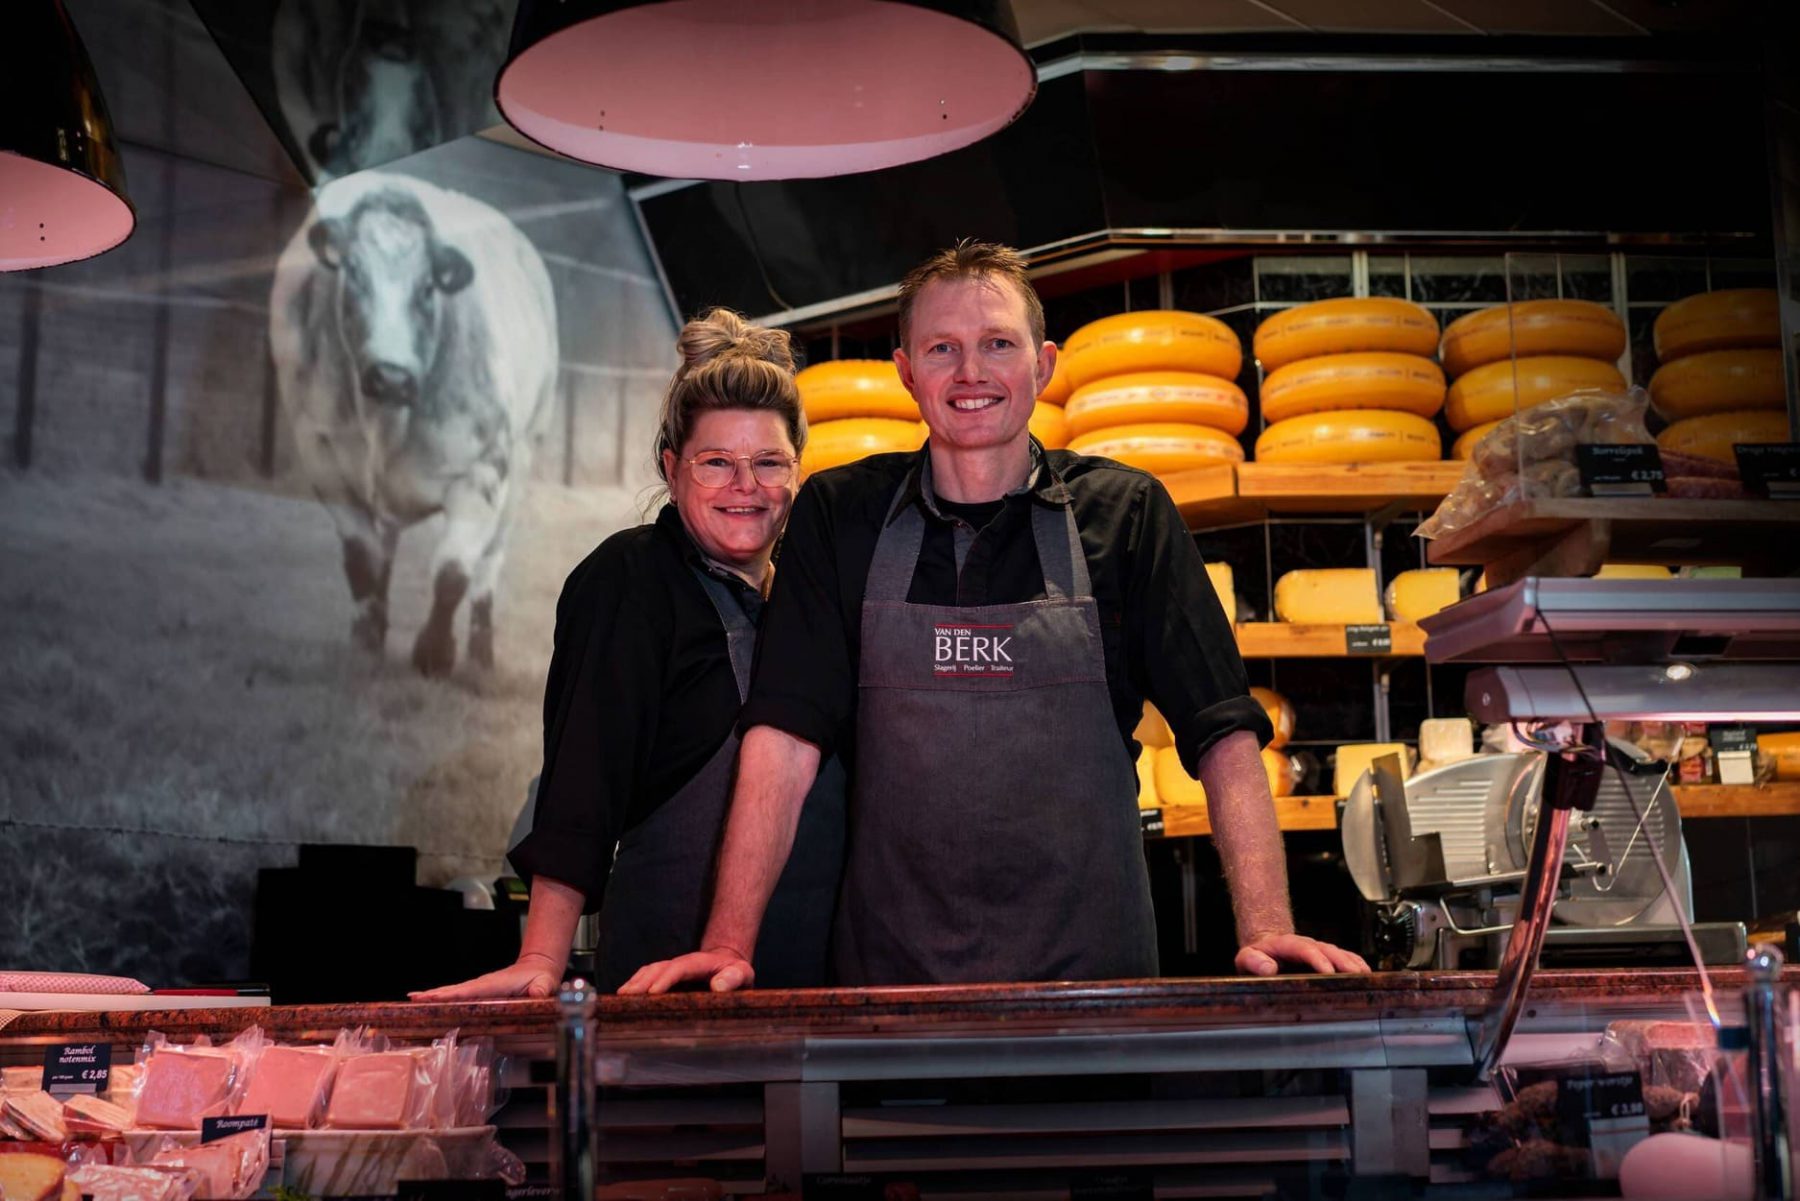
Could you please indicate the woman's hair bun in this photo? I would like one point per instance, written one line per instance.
(720, 333)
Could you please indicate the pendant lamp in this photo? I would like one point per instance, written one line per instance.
(62, 186)
(762, 89)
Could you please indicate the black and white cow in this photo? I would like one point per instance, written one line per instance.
(414, 337)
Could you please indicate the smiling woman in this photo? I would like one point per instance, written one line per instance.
(642, 702)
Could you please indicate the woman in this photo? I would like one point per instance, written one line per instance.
(655, 633)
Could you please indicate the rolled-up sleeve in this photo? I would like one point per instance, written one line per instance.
(1182, 651)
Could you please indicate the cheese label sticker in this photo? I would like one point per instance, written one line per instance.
(77, 1068)
(214, 1129)
(1151, 820)
(1368, 640)
(1770, 469)
(1622, 470)
(978, 651)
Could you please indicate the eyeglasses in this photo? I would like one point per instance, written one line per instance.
(716, 469)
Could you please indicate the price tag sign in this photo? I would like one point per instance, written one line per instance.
(1633, 470)
(1368, 640)
(1731, 738)
(1152, 822)
(214, 1129)
(77, 1068)
(1771, 469)
(1605, 1111)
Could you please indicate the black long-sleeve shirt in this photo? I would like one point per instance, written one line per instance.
(1164, 634)
(639, 696)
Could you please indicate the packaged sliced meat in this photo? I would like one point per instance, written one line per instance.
(375, 1092)
(181, 1085)
(91, 1115)
(21, 1079)
(290, 1085)
(230, 1169)
(39, 1114)
(103, 1182)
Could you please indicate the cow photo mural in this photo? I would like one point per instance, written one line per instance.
(291, 484)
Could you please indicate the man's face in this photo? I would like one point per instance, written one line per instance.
(971, 363)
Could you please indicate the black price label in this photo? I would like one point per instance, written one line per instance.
(1630, 470)
(77, 1068)
(1151, 820)
(1731, 738)
(1770, 469)
(1368, 640)
(214, 1129)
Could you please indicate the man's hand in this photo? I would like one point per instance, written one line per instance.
(1263, 956)
(724, 968)
(532, 976)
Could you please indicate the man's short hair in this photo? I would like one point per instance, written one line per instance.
(969, 259)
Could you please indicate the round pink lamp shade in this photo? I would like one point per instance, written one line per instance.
(762, 89)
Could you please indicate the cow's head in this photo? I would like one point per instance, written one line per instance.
(392, 275)
(386, 104)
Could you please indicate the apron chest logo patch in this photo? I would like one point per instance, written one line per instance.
(959, 650)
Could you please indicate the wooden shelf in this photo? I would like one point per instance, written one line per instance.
(1207, 496)
(1288, 640)
(1292, 812)
(1236, 494)
(1574, 536)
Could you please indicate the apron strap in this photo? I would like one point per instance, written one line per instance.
(740, 635)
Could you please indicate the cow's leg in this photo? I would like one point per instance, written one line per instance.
(486, 577)
(472, 510)
(368, 564)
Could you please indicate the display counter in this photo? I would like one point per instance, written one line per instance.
(1239, 1085)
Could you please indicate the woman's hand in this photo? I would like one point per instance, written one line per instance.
(532, 976)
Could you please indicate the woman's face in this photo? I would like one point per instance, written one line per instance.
(736, 524)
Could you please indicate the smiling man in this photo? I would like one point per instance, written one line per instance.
(976, 627)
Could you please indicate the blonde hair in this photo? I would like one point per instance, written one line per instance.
(969, 259)
(729, 363)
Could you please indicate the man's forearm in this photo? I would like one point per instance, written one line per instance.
(550, 923)
(1247, 836)
(774, 773)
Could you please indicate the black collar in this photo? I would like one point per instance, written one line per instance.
(673, 527)
(1043, 483)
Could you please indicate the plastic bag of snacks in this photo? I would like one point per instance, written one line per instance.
(179, 1085)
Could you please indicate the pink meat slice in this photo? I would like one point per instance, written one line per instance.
(216, 1163)
(181, 1087)
(373, 1092)
(286, 1085)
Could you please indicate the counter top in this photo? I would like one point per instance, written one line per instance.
(1187, 1002)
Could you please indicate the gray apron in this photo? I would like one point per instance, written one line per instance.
(994, 833)
(659, 893)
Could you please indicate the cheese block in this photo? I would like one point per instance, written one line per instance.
(1495, 391)
(1049, 426)
(1445, 740)
(1281, 714)
(1465, 441)
(1056, 391)
(1174, 787)
(1350, 436)
(1328, 596)
(1354, 758)
(1724, 320)
(1345, 325)
(855, 388)
(1422, 592)
(1224, 586)
(1146, 774)
(1782, 750)
(1716, 381)
(1406, 383)
(834, 443)
(1532, 327)
(1161, 448)
(1632, 571)
(1149, 396)
(1152, 340)
(1712, 436)
(1152, 729)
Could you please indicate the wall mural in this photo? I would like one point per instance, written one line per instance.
(271, 436)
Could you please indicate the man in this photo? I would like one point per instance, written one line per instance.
(976, 626)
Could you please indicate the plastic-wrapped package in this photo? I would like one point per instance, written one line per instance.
(1532, 454)
(95, 1116)
(230, 1169)
(38, 1115)
(388, 1088)
(179, 1085)
(370, 1162)
(107, 1183)
(291, 1085)
(478, 1072)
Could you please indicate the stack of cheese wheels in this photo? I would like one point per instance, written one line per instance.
(1720, 378)
(855, 408)
(1349, 380)
(1511, 357)
(1154, 389)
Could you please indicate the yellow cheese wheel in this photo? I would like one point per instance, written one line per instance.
(1783, 750)
(1150, 396)
(1350, 436)
(855, 388)
(1465, 441)
(1632, 571)
(1407, 383)
(1353, 759)
(834, 443)
(1421, 592)
(1152, 730)
(1056, 392)
(1328, 596)
(1343, 326)
(1152, 340)
(1174, 787)
(1281, 714)
(1572, 327)
(1161, 447)
(1146, 773)
(1280, 770)
(1486, 393)
(1049, 426)
(1224, 587)
(1713, 435)
(1714, 381)
(1725, 320)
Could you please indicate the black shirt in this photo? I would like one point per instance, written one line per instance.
(1164, 635)
(639, 696)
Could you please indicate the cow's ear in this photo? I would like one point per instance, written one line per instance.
(325, 241)
(451, 268)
